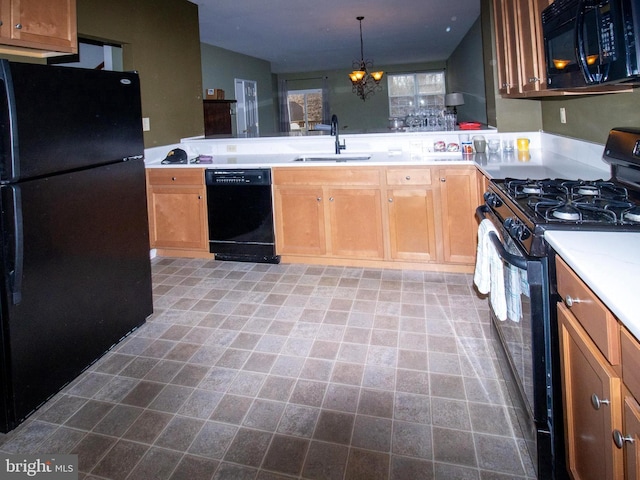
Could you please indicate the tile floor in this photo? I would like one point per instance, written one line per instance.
(254, 371)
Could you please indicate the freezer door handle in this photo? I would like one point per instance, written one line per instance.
(9, 170)
(12, 199)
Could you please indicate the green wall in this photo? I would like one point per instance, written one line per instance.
(591, 117)
(221, 67)
(161, 40)
(465, 74)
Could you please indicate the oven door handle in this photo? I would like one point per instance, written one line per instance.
(510, 258)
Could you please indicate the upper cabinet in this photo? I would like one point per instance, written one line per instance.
(519, 46)
(520, 57)
(38, 28)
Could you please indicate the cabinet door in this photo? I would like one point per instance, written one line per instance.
(49, 25)
(411, 224)
(631, 433)
(459, 200)
(177, 217)
(530, 44)
(506, 46)
(299, 220)
(355, 222)
(592, 400)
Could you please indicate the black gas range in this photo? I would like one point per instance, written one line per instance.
(529, 207)
(520, 211)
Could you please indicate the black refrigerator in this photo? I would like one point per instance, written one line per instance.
(76, 273)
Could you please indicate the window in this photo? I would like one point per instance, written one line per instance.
(305, 108)
(412, 92)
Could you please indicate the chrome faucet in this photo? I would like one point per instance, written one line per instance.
(335, 131)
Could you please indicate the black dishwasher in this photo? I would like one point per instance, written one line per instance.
(240, 213)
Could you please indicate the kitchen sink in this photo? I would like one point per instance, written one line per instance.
(334, 157)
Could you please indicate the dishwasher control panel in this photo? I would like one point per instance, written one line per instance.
(251, 176)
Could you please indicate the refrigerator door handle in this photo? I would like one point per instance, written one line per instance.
(10, 170)
(14, 242)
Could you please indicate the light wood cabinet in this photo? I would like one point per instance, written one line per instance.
(592, 399)
(459, 199)
(600, 362)
(38, 28)
(411, 214)
(630, 437)
(519, 46)
(355, 222)
(327, 212)
(400, 216)
(176, 199)
(299, 220)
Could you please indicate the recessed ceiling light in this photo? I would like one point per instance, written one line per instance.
(448, 29)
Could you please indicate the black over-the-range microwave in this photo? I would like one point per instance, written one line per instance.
(591, 42)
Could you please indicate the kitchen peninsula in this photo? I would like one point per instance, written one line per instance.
(409, 205)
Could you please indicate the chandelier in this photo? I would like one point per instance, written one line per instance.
(363, 82)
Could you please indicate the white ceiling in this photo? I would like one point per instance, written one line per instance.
(308, 35)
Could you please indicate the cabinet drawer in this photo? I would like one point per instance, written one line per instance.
(409, 176)
(175, 176)
(594, 317)
(345, 176)
(630, 362)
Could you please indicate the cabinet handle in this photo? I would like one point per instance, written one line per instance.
(408, 177)
(319, 199)
(331, 199)
(443, 179)
(596, 402)
(18, 26)
(569, 301)
(533, 79)
(619, 438)
(391, 200)
(199, 197)
(173, 179)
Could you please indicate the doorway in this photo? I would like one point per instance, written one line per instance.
(247, 108)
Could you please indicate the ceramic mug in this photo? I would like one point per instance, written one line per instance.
(523, 144)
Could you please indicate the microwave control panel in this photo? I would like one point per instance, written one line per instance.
(608, 50)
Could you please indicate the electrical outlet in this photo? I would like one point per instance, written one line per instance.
(232, 148)
(146, 126)
(563, 115)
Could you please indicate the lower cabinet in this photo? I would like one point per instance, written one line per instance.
(411, 214)
(592, 396)
(300, 224)
(600, 362)
(629, 437)
(355, 222)
(176, 199)
(380, 214)
(459, 199)
(327, 212)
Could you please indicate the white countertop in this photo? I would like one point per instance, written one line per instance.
(609, 263)
(288, 160)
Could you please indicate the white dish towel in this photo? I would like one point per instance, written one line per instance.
(489, 272)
